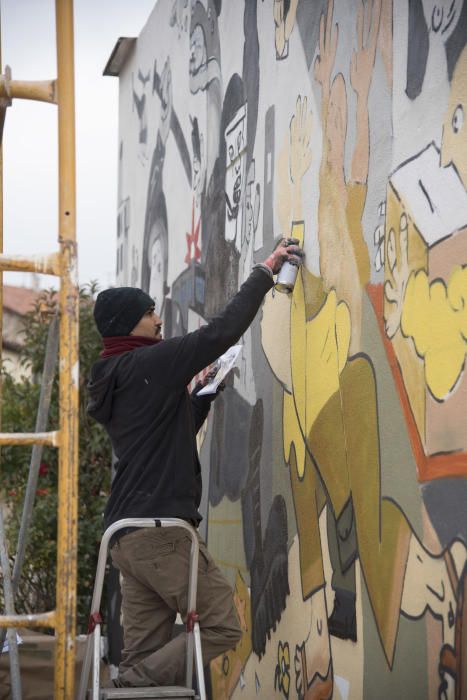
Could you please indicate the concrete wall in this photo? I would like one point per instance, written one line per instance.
(335, 463)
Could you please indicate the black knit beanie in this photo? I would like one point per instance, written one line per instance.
(118, 310)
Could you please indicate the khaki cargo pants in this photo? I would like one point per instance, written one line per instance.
(154, 566)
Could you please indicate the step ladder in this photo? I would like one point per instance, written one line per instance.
(193, 638)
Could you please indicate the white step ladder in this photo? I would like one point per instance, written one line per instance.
(193, 638)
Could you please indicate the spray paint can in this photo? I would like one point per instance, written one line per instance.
(286, 278)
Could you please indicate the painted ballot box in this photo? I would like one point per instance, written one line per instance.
(425, 278)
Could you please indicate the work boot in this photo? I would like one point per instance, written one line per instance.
(342, 622)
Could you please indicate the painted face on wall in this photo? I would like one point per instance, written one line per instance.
(441, 16)
(235, 140)
(166, 101)
(454, 140)
(157, 265)
(198, 59)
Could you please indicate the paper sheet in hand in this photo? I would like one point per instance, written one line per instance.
(225, 364)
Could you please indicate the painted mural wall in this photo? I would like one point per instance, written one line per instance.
(335, 462)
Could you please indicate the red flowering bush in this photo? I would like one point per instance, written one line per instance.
(20, 399)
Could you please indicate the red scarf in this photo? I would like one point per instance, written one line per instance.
(119, 344)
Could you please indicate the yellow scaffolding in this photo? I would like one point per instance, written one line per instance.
(62, 264)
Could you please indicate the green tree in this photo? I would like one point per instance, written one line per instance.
(20, 400)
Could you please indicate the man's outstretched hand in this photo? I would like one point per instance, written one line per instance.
(287, 250)
(207, 380)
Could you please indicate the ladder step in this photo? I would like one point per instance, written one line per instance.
(51, 438)
(45, 264)
(171, 691)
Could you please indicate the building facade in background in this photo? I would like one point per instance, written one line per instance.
(335, 462)
(17, 302)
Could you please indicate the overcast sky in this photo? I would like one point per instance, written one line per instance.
(30, 135)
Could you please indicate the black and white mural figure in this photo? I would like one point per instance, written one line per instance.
(158, 256)
(187, 294)
(169, 122)
(436, 31)
(228, 476)
(222, 253)
(235, 165)
(205, 71)
(139, 103)
(155, 247)
(199, 163)
(194, 237)
(156, 216)
(437, 34)
(251, 212)
(180, 16)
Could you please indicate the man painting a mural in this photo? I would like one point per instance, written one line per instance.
(335, 465)
(138, 391)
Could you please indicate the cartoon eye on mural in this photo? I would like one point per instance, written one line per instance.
(335, 461)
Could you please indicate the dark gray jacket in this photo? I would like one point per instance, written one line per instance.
(141, 398)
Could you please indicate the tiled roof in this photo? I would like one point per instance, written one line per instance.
(20, 300)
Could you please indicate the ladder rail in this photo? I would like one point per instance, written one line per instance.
(193, 647)
(8, 593)
(62, 264)
(36, 455)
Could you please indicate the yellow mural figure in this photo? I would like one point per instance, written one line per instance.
(330, 421)
(434, 313)
(226, 669)
(435, 316)
(425, 289)
(344, 259)
(312, 660)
